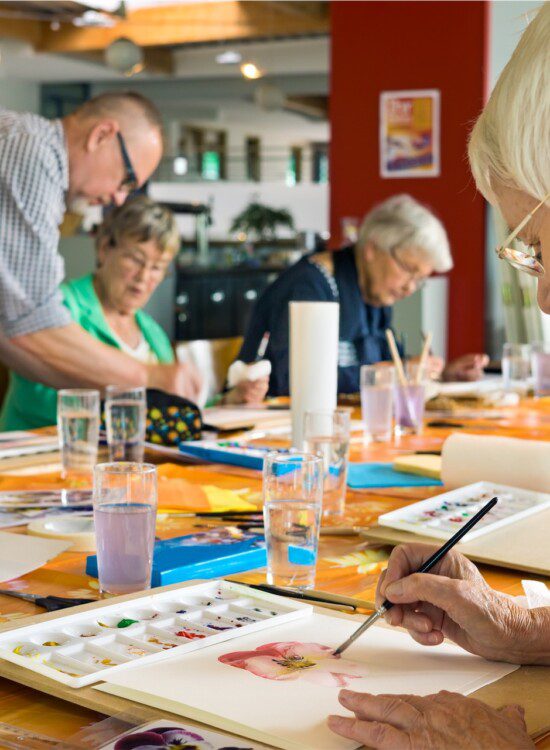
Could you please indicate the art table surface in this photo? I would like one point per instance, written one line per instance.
(346, 565)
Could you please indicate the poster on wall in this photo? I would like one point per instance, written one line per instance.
(409, 133)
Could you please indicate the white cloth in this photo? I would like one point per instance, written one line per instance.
(239, 372)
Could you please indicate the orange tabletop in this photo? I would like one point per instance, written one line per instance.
(347, 564)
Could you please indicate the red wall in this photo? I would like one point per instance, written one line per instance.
(378, 46)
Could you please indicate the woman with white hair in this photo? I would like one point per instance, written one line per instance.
(400, 244)
(510, 157)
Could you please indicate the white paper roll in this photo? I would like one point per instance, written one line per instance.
(313, 360)
(518, 463)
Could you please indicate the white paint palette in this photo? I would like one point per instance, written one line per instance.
(86, 647)
(443, 515)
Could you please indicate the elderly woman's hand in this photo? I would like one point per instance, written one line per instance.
(446, 721)
(454, 601)
(248, 392)
(468, 367)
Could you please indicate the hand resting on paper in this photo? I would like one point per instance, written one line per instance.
(248, 392)
(446, 721)
(468, 367)
(454, 601)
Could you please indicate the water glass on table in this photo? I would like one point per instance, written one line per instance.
(78, 430)
(409, 402)
(293, 497)
(125, 411)
(125, 511)
(377, 392)
(540, 367)
(516, 365)
(326, 434)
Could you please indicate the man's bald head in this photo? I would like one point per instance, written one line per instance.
(96, 134)
(128, 107)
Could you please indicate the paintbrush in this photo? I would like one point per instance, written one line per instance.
(319, 597)
(424, 568)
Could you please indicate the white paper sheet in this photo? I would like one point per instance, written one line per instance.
(21, 443)
(19, 554)
(227, 417)
(291, 713)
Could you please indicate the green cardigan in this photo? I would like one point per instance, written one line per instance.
(27, 404)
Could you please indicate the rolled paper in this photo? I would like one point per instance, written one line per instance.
(313, 360)
(510, 461)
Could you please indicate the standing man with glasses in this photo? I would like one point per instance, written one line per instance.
(100, 153)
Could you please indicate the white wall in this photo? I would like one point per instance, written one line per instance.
(22, 96)
(308, 203)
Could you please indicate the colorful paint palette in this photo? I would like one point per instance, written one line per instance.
(80, 649)
(441, 516)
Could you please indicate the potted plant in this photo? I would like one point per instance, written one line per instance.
(259, 223)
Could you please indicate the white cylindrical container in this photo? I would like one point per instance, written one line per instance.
(313, 360)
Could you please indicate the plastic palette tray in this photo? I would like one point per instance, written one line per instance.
(442, 515)
(84, 648)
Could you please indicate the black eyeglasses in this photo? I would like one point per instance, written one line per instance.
(130, 180)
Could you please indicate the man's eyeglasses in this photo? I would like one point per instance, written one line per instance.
(517, 258)
(130, 181)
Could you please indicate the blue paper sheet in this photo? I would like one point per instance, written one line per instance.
(364, 476)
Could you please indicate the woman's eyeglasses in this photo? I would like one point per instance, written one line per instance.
(415, 278)
(530, 264)
(130, 181)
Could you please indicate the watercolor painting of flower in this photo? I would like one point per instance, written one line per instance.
(293, 660)
(169, 738)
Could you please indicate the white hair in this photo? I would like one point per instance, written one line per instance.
(510, 141)
(401, 221)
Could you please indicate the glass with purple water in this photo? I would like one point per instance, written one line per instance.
(409, 402)
(377, 386)
(125, 410)
(125, 511)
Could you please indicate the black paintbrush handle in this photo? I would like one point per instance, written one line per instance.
(450, 543)
(53, 603)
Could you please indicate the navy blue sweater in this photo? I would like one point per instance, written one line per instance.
(362, 326)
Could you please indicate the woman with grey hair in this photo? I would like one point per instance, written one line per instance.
(400, 244)
(509, 154)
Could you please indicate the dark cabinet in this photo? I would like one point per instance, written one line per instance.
(212, 304)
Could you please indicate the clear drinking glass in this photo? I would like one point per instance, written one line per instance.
(409, 403)
(78, 430)
(326, 434)
(293, 497)
(540, 367)
(125, 511)
(516, 364)
(377, 390)
(125, 410)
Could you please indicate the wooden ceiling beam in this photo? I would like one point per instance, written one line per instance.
(188, 24)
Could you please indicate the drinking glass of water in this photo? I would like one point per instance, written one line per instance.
(78, 430)
(125, 511)
(293, 497)
(326, 434)
(516, 365)
(125, 410)
(377, 385)
(540, 366)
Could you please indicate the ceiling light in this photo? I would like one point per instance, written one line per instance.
(229, 57)
(251, 71)
(124, 56)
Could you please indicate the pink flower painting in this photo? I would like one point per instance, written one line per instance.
(292, 661)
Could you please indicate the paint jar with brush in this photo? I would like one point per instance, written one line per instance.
(410, 389)
(409, 402)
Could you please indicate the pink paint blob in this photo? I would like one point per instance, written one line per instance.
(294, 660)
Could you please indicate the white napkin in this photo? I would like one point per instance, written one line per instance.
(239, 371)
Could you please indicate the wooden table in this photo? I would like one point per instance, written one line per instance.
(347, 565)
